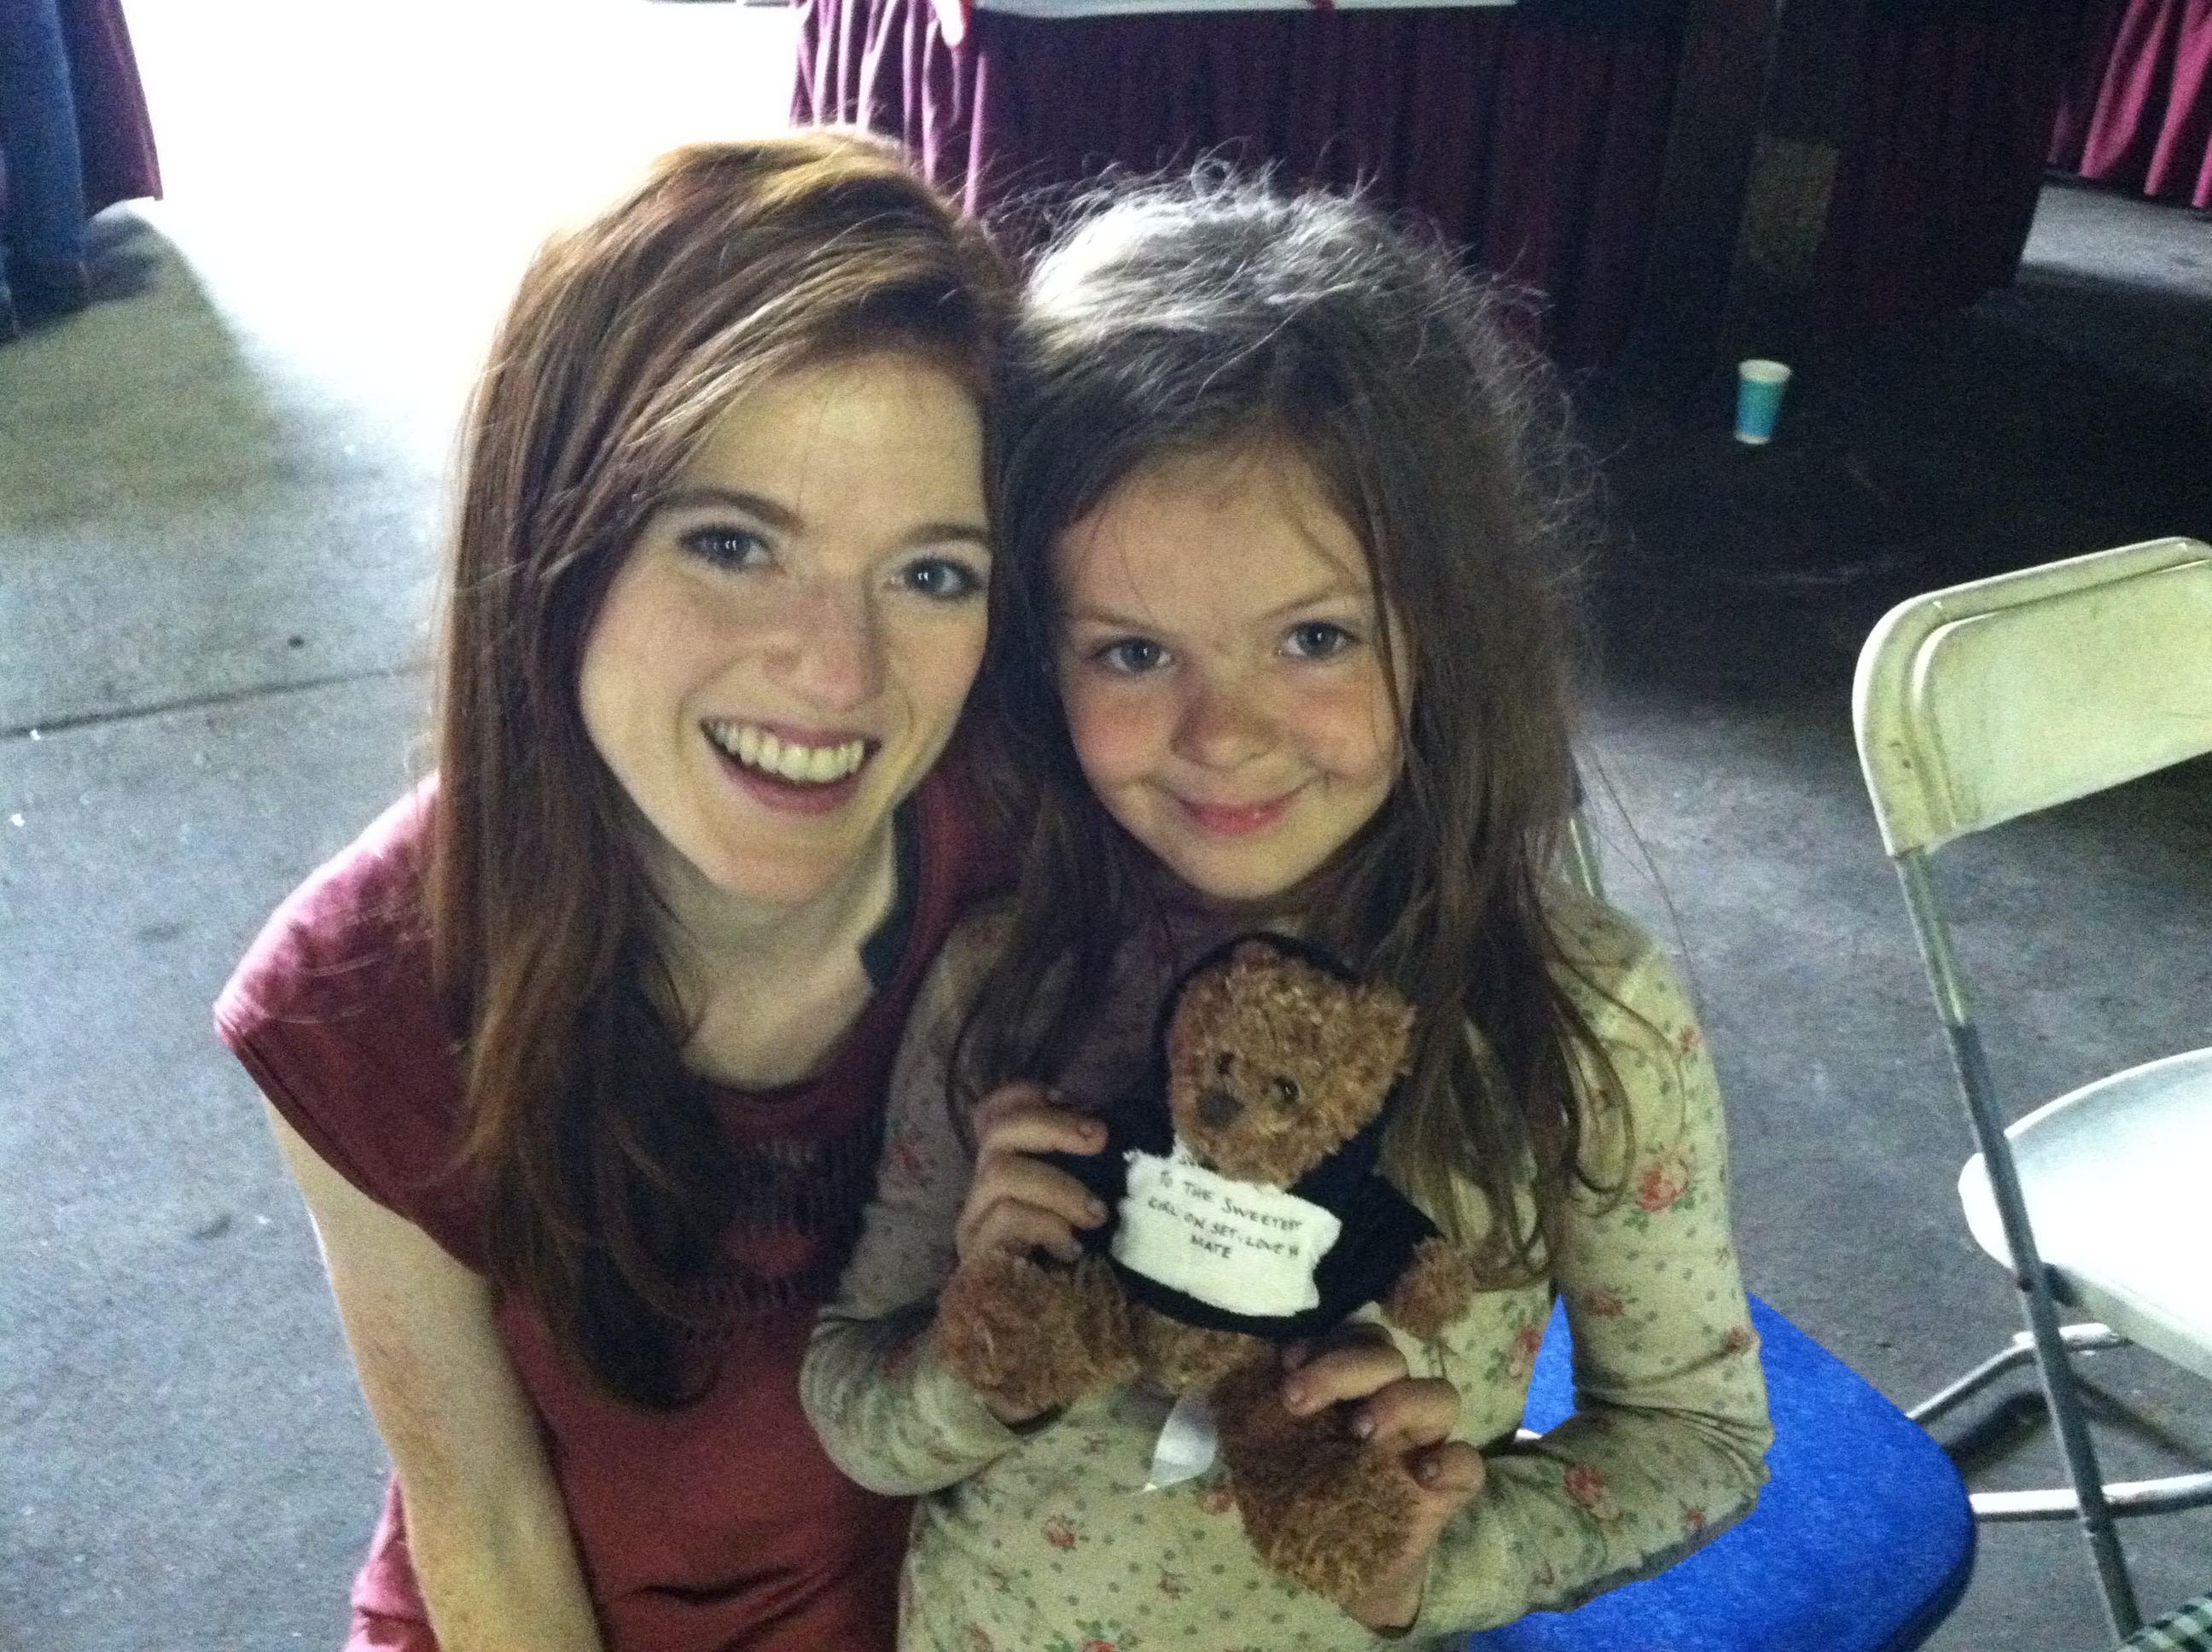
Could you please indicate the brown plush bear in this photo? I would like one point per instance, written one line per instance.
(1251, 1212)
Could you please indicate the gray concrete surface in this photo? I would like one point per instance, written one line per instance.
(219, 501)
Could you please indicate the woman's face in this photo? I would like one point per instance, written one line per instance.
(1221, 666)
(785, 650)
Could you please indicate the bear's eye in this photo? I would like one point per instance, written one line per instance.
(1286, 1092)
(1223, 1064)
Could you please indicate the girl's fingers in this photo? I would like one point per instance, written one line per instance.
(1042, 1194)
(1010, 1228)
(1407, 1415)
(1017, 1202)
(1447, 1474)
(1022, 1118)
(1027, 1181)
(1351, 1365)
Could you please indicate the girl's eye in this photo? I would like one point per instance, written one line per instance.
(1133, 656)
(1317, 640)
(727, 547)
(942, 579)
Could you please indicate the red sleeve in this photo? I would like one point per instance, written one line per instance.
(333, 1012)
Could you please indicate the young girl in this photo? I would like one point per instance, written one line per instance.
(1280, 642)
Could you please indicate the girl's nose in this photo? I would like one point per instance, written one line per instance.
(1223, 724)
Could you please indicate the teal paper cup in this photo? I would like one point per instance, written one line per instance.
(1757, 399)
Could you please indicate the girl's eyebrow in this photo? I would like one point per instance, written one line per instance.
(1334, 589)
(1337, 587)
(768, 512)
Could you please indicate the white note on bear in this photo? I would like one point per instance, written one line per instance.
(1241, 1245)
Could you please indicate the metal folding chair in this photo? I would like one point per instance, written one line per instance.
(1975, 706)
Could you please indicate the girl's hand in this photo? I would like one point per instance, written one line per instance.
(1017, 1203)
(1410, 1418)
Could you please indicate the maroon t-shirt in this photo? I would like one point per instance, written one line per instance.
(716, 1527)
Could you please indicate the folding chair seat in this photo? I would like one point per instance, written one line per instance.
(1862, 1541)
(1975, 706)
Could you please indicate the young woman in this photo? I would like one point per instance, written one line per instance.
(1281, 644)
(578, 1054)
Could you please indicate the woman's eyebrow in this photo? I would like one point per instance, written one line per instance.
(768, 512)
(701, 497)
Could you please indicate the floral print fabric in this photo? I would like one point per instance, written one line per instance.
(1048, 1539)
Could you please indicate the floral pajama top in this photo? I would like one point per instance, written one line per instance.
(1045, 1540)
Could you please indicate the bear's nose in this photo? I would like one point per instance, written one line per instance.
(1217, 1108)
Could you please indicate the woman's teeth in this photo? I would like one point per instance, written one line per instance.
(808, 765)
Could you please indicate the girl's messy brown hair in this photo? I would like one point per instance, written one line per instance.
(1217, 317)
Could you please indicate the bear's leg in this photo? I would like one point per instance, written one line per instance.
(1031, 1337)
(1185, 1359)
(1324, 1507)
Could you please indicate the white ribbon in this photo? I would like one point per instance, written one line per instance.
(1187, 1443)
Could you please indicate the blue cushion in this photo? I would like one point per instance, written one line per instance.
(1862, 1540)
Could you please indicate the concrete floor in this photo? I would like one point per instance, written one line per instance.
(219, 499)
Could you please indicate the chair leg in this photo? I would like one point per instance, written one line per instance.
(2123, 1498)
(1970, 1064)
(2078, 1339)
(2098, 1528)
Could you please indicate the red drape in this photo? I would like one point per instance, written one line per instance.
(2138, 108)
(112, 129)
(1937, 183)
(2091, 48)
(1537, 144)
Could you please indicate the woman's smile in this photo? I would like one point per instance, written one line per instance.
(789, 774)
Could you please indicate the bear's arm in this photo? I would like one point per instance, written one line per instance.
(888, 1411)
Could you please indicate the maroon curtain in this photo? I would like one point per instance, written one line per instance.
(2092, 49)
(2138, 110)
(112, 129)
(1535, 143)
(1937, 184)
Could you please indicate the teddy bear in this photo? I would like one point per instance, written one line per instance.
(1249, 1212)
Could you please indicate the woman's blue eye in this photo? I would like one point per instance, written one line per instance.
(944, 578)
(1133, 656)
(1317, 640)
(727, 547)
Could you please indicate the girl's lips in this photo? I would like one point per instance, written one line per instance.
(1235, 820)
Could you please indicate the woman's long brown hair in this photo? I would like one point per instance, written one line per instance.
(606, 1186)
(1212, 317)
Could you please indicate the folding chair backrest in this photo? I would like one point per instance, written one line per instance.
(1994, 699)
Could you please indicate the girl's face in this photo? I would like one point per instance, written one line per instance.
(1219, 661)
(785, 650)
